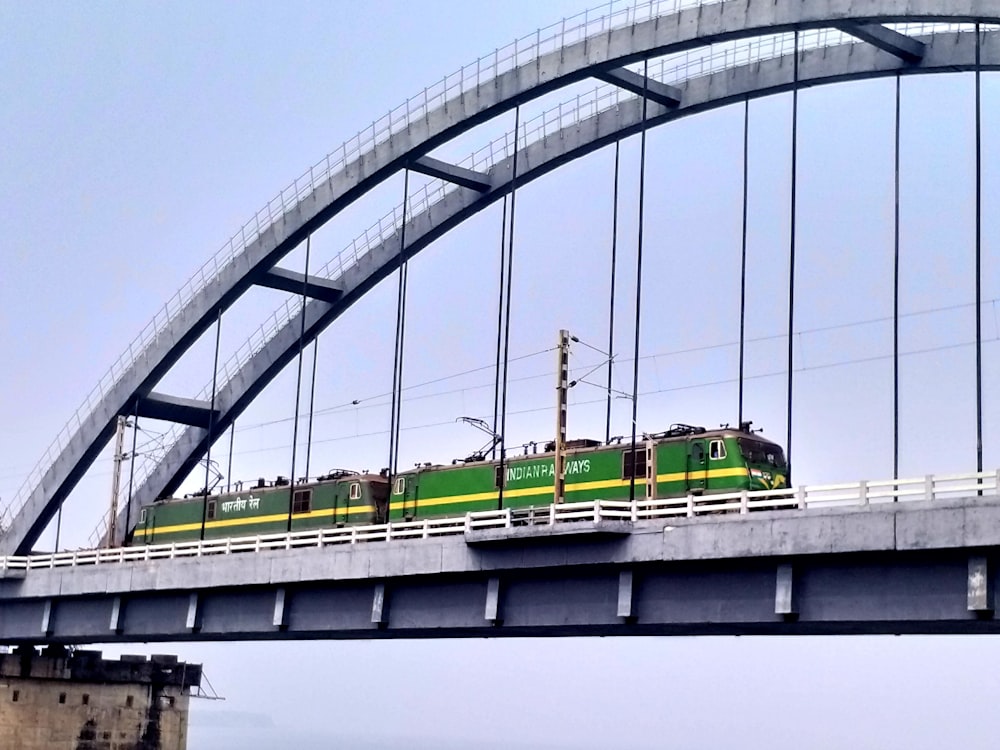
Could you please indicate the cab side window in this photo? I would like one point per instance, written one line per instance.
(400, 486)
(697, 453)
(302, 501)
(636, 468)
(355, 492)
(717, 450)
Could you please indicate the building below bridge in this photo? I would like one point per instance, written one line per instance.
(77, 700)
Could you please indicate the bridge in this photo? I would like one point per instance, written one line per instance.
(846, 561)
(657, 63)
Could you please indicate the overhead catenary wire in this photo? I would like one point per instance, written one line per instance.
(375, 401)
(651, 392)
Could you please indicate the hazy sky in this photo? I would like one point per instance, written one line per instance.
(136, 138)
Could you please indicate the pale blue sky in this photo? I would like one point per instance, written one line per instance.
(136, 138)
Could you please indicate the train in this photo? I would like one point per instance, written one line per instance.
(682, 460)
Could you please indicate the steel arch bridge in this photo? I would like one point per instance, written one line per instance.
(707, 54)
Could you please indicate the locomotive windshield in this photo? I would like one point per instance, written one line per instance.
(759, 452)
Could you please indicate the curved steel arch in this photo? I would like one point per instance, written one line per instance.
(687, 29)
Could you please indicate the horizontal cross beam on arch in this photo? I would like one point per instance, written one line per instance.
(442, 170)
(297, 283)
(661, 93)
(176, 409)
(905, 48)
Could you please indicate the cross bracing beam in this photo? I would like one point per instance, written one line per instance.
(187, 411)
(297, 283)
(466, 178)
(303, 210)
(945, 53)
(904, 47)
(661, 93)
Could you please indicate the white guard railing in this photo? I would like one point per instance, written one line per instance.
(863, 493)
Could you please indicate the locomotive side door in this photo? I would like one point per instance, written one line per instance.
(696, 467)
(410, 498)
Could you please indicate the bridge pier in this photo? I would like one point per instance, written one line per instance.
(61, 699)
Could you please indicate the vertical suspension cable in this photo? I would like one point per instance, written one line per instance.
(229, 466)
(312, 404)
(211, 422)
(397, 361)
(791, 245)
(743, 254)
(638, 279)
(500, 310)
(506, 333)
(402, 339)
(979, 258)
(895, 303)
(298, 387)
(611, 303)
(131, 469)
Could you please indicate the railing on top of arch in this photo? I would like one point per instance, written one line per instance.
(980, 486)
(672, 69)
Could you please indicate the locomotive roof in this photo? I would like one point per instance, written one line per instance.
(721, 432)
(249, 485)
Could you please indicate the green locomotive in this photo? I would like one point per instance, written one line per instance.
(674, 463)
(338, 498)
(683, 460)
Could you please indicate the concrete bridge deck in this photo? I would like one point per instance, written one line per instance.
(914, 567)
